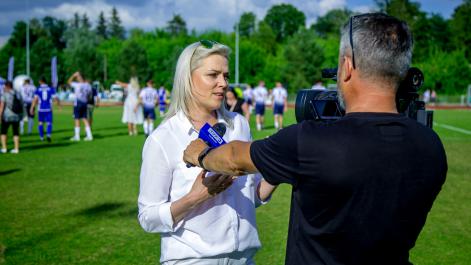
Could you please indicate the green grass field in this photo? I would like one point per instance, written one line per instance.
(76, 203)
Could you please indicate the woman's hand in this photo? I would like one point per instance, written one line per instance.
(203, 188)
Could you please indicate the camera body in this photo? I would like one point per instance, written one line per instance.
(323, 105)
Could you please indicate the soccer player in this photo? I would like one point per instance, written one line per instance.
(27, 93)
(93, 101)
(149, 98)
(81, 91)
(43, 98)
(280, 104)
(162, 100)
(260, 94)
(248, 99)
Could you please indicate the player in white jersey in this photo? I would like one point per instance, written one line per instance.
(280, 104)
(149, 98)
(27, 93)
(82, 90)
(248, 99)
(260, 95)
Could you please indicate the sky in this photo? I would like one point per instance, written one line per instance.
(198, 14)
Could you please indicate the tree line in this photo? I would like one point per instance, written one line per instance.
(278, 47)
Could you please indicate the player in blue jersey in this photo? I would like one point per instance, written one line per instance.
(43, 99)
(162, 100)
(82, 90)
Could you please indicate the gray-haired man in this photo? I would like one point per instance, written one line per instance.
(363, 185)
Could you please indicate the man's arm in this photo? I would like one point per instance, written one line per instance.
(230, 159)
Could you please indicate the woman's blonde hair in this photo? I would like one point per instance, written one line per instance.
(189, 60)
(134, 82)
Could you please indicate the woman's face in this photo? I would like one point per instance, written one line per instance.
(210, 82)
(230, 95)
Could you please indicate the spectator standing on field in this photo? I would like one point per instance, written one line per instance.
(27, 93)
(149, 98)
(11, 106)
(93, 101)
(280, 104)
(132, 111)
(260, 94)
(81, 90)
(248, 98)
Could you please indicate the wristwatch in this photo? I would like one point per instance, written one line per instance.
(203, 154)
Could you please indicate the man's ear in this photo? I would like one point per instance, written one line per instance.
(347, 69)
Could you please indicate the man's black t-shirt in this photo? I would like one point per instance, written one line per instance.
(362, 186)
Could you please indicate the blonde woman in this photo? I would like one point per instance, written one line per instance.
(202, 219)
(132, 112)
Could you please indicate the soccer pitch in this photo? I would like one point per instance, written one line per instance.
(76, 203)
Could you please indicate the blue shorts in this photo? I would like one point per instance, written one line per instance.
(249, 101)
(149, 113)
(259, 108)
(80, 111)
(162, 107)
(278, 109)
(45, 116)
(27, 108)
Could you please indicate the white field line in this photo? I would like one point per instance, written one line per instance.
(453, 128)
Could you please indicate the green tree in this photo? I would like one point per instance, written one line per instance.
(265, 37)
(176, 26)
(285, 20)
(403, 9)
(247, 24)
(85, 22)
(116, 29)
(452, 69)
(133, 61)
(430, 34)
(75, 23)
(101, 28)
(304, 59)
(331, 22)
(41, 54)
(460, 25)
(81, 54)
(55, 29)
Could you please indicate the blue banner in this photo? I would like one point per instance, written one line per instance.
(11, 66)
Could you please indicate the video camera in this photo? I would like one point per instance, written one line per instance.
(323, 105)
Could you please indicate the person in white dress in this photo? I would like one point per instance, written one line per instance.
(132, 111)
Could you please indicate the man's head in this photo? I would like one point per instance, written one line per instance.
(377, 47)
(261, 83)
(8, 85)
(42, 80)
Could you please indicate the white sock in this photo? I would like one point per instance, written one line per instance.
(145, 127)
(151, 127)
(276, 125)
(259, 126)
(30, 125)
(22, 123)
(88, 131)
(77, 132)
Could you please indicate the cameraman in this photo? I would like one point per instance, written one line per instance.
(363, 185)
